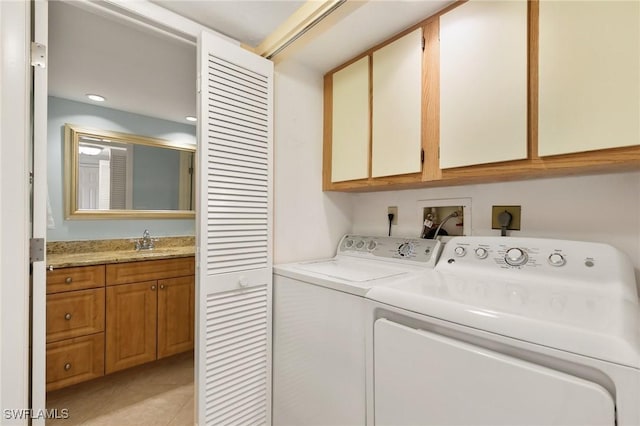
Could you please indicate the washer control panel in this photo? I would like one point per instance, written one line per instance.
(424, 252)
(535, 259)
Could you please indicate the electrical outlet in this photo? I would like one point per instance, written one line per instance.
(394, 210)
(515, 217)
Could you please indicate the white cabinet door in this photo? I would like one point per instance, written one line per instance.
(350, 122)
(589, 76)
(483, 83)
(234, 258)
(397, 96)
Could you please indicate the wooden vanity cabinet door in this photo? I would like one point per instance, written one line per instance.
(74, 314)
(176, 304)
(75, 360)
(131, 325)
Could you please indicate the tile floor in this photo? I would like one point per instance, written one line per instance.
(159, 393)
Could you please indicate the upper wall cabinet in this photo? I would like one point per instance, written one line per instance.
(350, 122)
(483, 83)
(589, 76)
(396, 104)
(496, 90)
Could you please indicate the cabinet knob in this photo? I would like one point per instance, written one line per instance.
(68, 280)
(67, 367)
(153, 287)
(161, 286)
(67, 316)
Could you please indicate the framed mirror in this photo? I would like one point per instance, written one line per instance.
(117, 175)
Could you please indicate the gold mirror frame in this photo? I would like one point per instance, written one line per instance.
(72, 135)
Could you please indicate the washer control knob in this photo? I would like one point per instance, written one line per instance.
(360, 244)
(372, 245)
(556, 259)
(481, 253)
(460, 251)
(405, 249)
(348, 243)
(515, 257)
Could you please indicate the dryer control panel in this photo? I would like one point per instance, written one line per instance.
(541, 260)
(415, 250)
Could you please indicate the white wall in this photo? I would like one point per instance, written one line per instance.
(308, 222)
(601, 208)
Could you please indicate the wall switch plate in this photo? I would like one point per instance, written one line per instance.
(515, 217)
(394, 210)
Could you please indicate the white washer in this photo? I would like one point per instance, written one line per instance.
(319, 326)
(508, 331)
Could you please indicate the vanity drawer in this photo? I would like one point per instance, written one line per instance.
(146, 270)
(75, 314)
(74, 361)
(77, 278)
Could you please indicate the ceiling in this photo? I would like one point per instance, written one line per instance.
(249, 22)
(144, 72)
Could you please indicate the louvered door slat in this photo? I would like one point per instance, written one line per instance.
(229, 106)
(232, 139)
(227, 92)
(239, 150)
(238, 77)
(237, 81)
(248, 162)
(235, 257)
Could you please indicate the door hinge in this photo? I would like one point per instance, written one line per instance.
(36, 250)
(423, 43)
(422, 156)
(30, 178)
(198, 84)
(38, 55)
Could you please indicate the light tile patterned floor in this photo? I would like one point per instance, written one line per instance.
(158, 393)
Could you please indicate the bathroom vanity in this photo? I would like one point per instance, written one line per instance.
(110, 307)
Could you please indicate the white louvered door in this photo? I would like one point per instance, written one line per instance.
(233, 353)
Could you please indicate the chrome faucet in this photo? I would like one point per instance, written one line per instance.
(146, 242)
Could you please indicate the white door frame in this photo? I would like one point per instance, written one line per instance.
(15, 231)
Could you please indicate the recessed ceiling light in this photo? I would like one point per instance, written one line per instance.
(96, 98)
(190, 118)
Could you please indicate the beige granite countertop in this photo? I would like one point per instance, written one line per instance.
(62, 254)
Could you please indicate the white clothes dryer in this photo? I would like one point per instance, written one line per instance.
(508, 331)
(319, 326)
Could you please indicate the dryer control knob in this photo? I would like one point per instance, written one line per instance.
(515, 257)
(405, 249)
(372, 245)
(556, 259)
(460, 251)
(481, 253)
(360, 244)
(348, 243)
